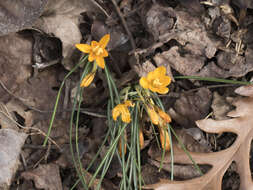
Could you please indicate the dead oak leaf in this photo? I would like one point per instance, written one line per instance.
(240, 124)
(45, 177)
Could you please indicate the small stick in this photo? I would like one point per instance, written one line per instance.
(124, 24)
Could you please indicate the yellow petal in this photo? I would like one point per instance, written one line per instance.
(100, 62)
(94, 44)
(164, 138)
(164, 115)
(151, 76)
(104, 41)
(162, 90)
(165, 80)
(91, 57)
(154, 117)
(160, 70)
(141, 139)
(153, 89)
(144, 83)
(84, 48)
(115, 113)
(129, 103)
(87, 79)
(126, 117)
(104, 54)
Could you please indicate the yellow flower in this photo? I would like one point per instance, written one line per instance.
(87, 79)
(141, 138)
(157, 115)
(122, 109)
(152, 114)
(156, 81)
(96, 50)
(164, 138)
(164, 116)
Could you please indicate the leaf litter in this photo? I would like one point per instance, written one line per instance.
(214, 39)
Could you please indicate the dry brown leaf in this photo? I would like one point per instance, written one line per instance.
(240, 124)
(220, 106)
(39, 93)
(11, 143)
(19, 14)
(45, 177)
(15, 62)
(61, 19)
(191, 107)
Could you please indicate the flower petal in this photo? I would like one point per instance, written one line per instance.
(164, 138)
(94, 44)
(144, 82)
(126, 117)
(91, 57)
(151, 76)
(87, 79)
(84, 48)
(165, 80)
(141, 138)
(104, 41)
(160, 71)
(128, 103)
(154, 117)
(162, 90)
(115, 113)
(100, 62)
(164, 115)
(104, 54)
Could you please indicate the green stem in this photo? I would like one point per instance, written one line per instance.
(58, 98)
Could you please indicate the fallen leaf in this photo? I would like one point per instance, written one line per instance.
(191, 107)
(15, 62)
(241, 125)
(45, 177)
(220, 107)
(61, 19)
(11, 143)
(19, 14)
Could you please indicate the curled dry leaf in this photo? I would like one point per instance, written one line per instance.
(11, 143)
(240, 124)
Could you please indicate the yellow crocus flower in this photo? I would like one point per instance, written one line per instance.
(96, 50)
(122, 109)
(141, 138)
(156, 81)
(154, 117)
(157, 115)
(165, 142)
(87, 79)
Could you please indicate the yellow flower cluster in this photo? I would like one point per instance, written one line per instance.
(155, 81)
